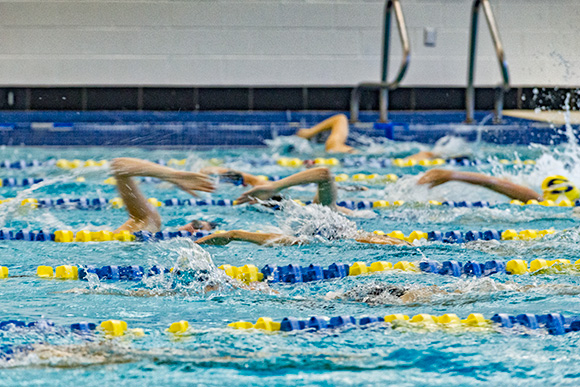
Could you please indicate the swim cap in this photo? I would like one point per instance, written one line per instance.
(558, 188)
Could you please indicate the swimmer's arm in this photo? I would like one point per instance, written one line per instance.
(423, 155)
(126, 167)
(338, 125)
(321, 176)
(437, 177)
(258, 238)
(421, 294)
(141, 215)
(380, 240)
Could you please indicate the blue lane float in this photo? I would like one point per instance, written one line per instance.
(353, 161)
(84, 203)
(554, 323)
(140, 236)
(100, 203)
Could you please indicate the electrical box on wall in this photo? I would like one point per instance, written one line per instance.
(429, 37)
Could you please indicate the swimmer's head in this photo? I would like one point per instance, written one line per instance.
(375, 292)
(198, 225)
(381, 289)
(192, 278)
(558, 188)
(273, 202)
(233, 177)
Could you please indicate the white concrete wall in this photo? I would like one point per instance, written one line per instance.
(275, 42)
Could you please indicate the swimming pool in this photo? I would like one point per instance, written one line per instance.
(214, 354)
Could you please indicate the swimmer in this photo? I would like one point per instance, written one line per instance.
(326, 196)
(97, 350)
(142, 215)
(262, 238)
(336, 142)
(381, 293)
(227, 175)
(555, 188)
(266, 190)
(448, 147)
(376, 293)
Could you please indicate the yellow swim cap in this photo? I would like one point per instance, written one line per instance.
(557, 188)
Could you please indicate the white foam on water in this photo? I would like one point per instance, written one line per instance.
(289, 144)
(314, 221)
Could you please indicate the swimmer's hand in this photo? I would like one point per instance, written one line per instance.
(436, 177)
(340, 148)
(190, 182)
(262, 192)
(220, 239)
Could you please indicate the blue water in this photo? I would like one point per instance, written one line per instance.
(213, 354)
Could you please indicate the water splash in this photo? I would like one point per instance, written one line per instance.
(479, 129)
(452, 146)
(14, 206)
(289, 144)
(384, 146)
(572, 140)
(314, 221)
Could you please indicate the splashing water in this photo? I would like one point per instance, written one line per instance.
(14, 206)
(192, 274)
(452, 146)
(480, 126)
(314, 221)
(564, 160)
(289, 144)
(572, 140)
(384, 146)
(194, 270)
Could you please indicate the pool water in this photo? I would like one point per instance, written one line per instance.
(213, 354)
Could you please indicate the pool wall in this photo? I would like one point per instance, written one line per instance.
(275, 42)
(117, 128)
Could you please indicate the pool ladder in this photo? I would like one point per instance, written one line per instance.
(500, 91)
(385, 86)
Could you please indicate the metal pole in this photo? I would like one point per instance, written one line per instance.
(354, 104)
(501, 60)
(383, 92)
(384, 86)
(499, 97)
(470, 91)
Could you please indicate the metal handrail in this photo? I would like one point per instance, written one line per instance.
(470, 92)
(385, 86)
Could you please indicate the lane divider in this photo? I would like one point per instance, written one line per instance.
(554, 323)
(373, 178)
(372, 162)
(84, 203)
(99, 203)
(356, 161)
(108, 327)
(294, 273)
(24, 164)
(68, 236)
